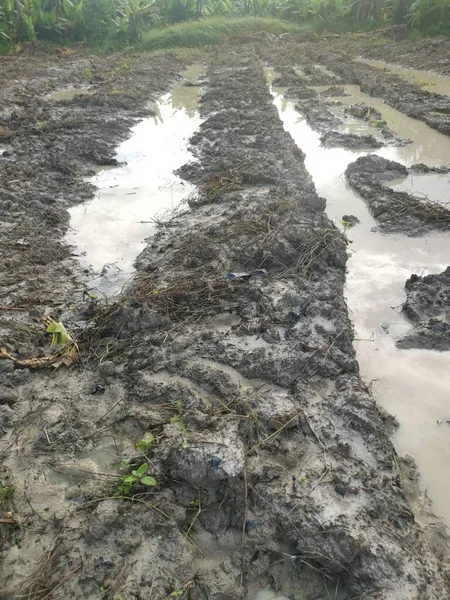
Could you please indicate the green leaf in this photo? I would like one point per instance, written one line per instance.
(61, 337)
(146, 442)
(141, 470)
(130, 478)
(147, 480)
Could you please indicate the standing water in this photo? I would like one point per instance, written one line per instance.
(109, 231)
(411, 384)
(424, 79)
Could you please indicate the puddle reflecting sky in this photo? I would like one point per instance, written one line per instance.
(111, 229)
(431, 186)
(411, 384)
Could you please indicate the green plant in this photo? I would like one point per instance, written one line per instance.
(6, 495)
(210, 31)
(145, 443)
(129, 481)
(130, 19)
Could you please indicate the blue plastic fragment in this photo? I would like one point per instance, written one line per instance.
(215, 463)
(250, 525)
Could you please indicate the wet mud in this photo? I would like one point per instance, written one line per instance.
(227, 366)
(426, 306)
(395, 211)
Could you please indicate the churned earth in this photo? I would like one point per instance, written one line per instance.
(226, 366)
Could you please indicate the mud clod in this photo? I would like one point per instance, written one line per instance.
(427, 306)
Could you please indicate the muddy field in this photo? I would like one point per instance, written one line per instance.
(213, 438)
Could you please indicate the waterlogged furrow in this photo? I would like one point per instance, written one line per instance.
(109, 232)
(410, 384)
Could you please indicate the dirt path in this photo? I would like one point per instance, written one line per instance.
(227, 368)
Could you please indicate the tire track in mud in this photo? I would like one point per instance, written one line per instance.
(272, 459)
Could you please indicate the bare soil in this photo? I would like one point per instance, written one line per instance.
(426, 306)
(274, 465)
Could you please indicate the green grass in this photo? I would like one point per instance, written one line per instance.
(206, 32)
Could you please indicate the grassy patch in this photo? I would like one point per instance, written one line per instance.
(207, 32)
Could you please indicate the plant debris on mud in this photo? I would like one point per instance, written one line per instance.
(215, 436)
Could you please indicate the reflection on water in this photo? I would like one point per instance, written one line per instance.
(440, 84)
(431, 186)
(411, 384)
(109, 231)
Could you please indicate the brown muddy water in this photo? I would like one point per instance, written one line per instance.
(109, 232)
(440, 84)
(68, 94)
(411, 384)
(433, 186)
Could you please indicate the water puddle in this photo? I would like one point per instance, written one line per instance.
(102, 461)
(428, 146)
(67, 94)
(411, 384)
(270, 595)
(109, 231)
(440, 84)
(432, 186)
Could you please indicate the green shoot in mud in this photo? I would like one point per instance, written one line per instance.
(183, 592)
(105, 593)
(145, 443)
(130, 481)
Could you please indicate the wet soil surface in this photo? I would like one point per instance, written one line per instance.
(227, 366)
(392, 46)
(427, 306)
(395, 211)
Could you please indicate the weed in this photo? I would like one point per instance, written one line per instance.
(120, 69)
(86, 73)
(183, 592)
(145, 443)
(208, 32)
(129, 481)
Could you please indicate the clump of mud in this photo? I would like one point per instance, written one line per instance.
(334, 139)
(427, 305)
(394, 211)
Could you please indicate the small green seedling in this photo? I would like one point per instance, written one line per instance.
(145, 443)
(137, 477)
(346, 224)
(59, 333)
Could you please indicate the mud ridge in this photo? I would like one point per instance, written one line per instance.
(426, 306)
(227, 368)
(394, 211)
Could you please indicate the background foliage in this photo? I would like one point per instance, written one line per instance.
(96, 21)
